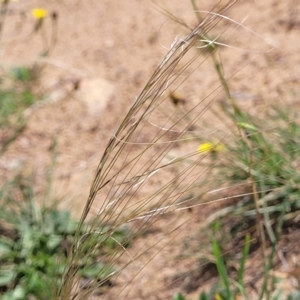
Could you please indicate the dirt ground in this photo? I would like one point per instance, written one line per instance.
(110, 48)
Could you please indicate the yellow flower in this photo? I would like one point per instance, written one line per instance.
(210, 147)
(39, 13)
(218, 297)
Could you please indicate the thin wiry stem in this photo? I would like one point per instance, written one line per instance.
(130, 128)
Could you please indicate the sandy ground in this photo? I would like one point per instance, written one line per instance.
(110, 48)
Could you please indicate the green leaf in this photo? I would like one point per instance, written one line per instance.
(278, 296)
(21, 74)
(216, 226)
(220, 264)
(98, 270)
(5, 249)
(243, 260)
(6, 276)
(178, 296)
(19, 293)
(203, 296)
(246, 126)
(53, 241)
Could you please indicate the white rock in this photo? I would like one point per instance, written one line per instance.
(95, 93)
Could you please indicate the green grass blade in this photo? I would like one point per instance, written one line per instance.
(243, 260)
(220, 265)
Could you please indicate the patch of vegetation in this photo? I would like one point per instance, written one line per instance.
(263, 154)
(35, 242)
(17, 94)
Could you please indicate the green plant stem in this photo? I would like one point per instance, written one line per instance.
(274, 244)
(12, 137)
(196, 10)
(218, 65)
(3, 13)
(54, 34)
(259, 224)
(221, 267)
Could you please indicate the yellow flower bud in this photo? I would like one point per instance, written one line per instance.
(210, 147)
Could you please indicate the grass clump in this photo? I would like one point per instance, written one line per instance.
(35, 242)
(123, 174)
(264, 161)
